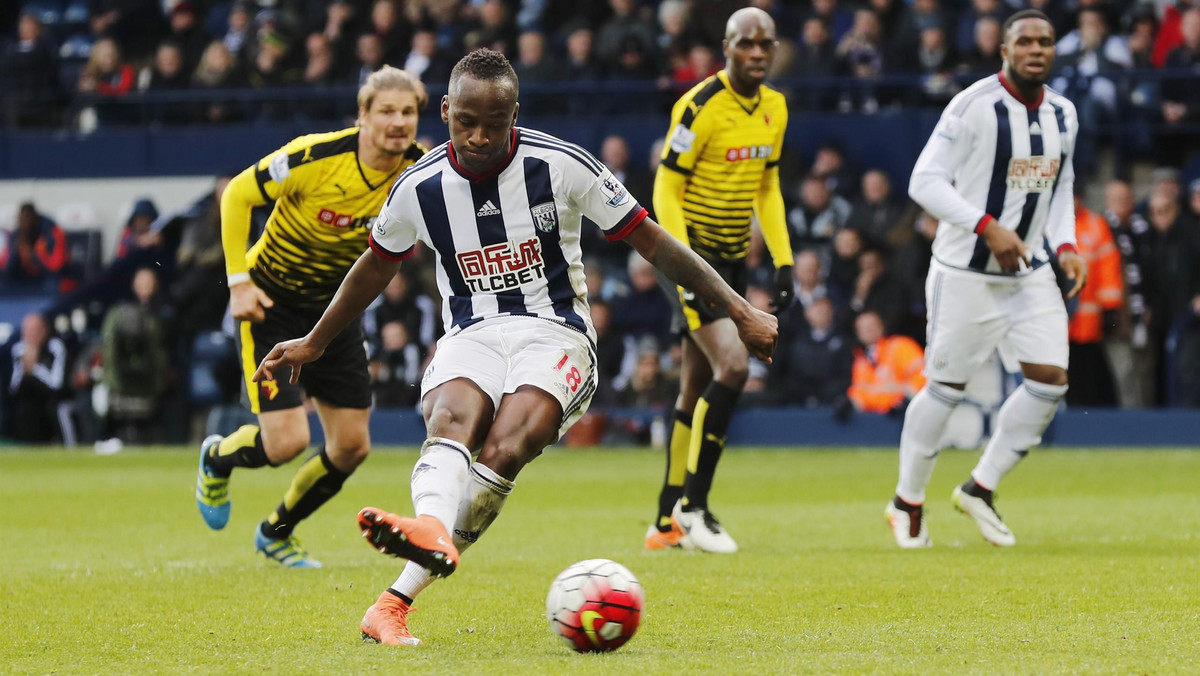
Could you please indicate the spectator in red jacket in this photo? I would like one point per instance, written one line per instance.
(36, 250)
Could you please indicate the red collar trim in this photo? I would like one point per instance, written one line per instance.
(512, 151)
(1017, 95)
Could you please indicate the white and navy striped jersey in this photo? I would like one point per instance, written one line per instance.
(993, 155)
(507, 243)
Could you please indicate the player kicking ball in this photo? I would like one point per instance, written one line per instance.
(501, 208)
(997, 173)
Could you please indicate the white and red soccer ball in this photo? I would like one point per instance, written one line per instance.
(595, 605)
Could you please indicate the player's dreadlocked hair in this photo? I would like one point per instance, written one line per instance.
(1023, 14)
(484, 64)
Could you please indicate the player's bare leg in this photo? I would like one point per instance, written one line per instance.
(730, 363)
(1020, 423)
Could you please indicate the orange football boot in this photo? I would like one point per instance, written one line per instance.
(386, 621)
(673, 539)
(422, 540)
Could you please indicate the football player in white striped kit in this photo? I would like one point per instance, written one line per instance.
(500, 206)
(997, 173)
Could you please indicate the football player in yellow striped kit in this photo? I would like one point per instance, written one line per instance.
(327, 189)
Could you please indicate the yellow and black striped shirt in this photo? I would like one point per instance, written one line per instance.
(326, 201)
(724, 144)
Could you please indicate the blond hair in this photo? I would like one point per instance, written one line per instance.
(390, 77)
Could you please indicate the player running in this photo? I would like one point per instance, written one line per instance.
(997, 173)
(327, 190)
(500, 206)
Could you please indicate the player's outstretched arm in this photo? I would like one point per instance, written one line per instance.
(367, 279)
(758, 330)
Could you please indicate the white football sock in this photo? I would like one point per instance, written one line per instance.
(485, 496)
(439, 479)
(413, 580)
(486, 492)
(1019, 427)
(924, 424)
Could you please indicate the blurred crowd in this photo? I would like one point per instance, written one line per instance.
(1128, 62)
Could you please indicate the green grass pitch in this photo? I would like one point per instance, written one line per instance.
(107, 568)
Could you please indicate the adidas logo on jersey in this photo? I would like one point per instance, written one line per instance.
(488, 209)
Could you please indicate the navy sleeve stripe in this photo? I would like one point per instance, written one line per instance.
(572, 147)
(547, 146)
(429, 158)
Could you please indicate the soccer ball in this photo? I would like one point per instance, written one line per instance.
(595, 605)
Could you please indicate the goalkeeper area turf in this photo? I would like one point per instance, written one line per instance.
(108, 568)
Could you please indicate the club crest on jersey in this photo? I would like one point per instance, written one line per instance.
(614, 191)
(545, 216)
(1033, 174)
(502, 267)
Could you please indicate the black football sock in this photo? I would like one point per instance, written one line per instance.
(315, 483)
(711, 423)
(243, 448)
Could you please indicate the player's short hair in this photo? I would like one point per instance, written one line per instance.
(484, 64)
(387, 78)
(1024, 14)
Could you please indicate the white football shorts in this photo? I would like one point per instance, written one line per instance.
(972, 314)
(499, 355)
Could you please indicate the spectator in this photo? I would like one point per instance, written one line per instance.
(843, 264)
(610, 349)
(396, 368)
(533, 66)
(1130, 353)
(320, 66)
(836, 19)
(369, 52)
(1143, 25)
(641, 183)
(887, 369)
(138, 236)
(239, 31)
(877, 290)
(813, 364)
(493, 28)
(673, 38)
(1181, 96)
(815, 58)
(936, 60)
(647, 386)
(860, 56)
(135, 361)
(1087, 75)
(271, 66)
(810, 280)
(1096, 310)
(167, 74)
(875, 214)
(818, 216)
(106, 73)
(134, 24)
(625, 28)
(644, 308)
(966, 36)
(35, 252)
(581, 66)
(185, 31)
(1092, 33)
(199, 278)
(218, 70)
(1173, 277)
(632, 61)
(426, 59)
(983, 55)
(394, 33)
(830, 166)
(403, 303)
(29, 69)
(39, 363)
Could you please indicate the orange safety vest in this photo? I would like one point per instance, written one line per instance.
(880, 384)
(1105, 288)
